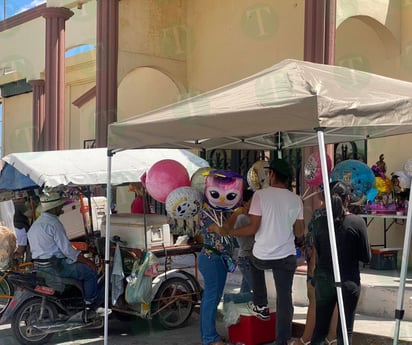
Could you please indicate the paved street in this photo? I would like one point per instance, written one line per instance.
(133, 332)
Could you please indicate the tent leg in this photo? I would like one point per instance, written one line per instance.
(404, 270)
(107, 247)
(332, 237)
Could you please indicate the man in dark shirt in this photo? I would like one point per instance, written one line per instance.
(21, 226)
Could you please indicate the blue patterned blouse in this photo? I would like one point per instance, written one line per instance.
(212, 241)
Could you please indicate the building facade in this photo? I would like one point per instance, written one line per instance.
(150, 53)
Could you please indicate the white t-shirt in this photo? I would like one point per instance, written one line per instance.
(279, 209)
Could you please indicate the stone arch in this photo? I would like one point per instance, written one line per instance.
(389, 40)
(79, 49)
(381, 53)
(144, 89)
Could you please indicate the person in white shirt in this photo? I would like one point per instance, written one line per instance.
(276, 218)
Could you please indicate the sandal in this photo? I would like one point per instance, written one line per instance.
(299, 341)
(331, 342)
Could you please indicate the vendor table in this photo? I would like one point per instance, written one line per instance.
(388, 221)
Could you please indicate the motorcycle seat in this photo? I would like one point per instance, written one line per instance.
(57, 282)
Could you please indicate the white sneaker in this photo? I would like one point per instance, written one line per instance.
(261, 312)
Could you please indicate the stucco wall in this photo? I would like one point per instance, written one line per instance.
(236, 38)
(17, 129)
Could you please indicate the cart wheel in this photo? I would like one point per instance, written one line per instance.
(6, 292)
(26, 316)
(173, 303)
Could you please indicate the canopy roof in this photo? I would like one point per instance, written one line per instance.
(292, 97)
(51, 169)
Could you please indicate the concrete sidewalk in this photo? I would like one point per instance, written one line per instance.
(136, 331)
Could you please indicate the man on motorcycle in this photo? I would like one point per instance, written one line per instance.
(53, 253)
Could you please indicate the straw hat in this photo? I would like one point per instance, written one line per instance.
(50, 201)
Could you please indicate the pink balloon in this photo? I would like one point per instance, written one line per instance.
(313, 169)
(165, 176)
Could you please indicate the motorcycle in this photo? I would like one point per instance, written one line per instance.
(43, 305)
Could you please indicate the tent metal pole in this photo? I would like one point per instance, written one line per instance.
(399, 312)
(332, 237)
(107, 246)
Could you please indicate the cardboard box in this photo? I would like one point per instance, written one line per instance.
(384, 258)
(253, 331)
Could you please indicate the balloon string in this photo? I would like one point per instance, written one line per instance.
(214, 220)
(306, 192)
(310, 195)
(219, 221)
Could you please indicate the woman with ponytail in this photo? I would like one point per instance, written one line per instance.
(352, 246)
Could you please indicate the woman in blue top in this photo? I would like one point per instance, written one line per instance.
(223, 192)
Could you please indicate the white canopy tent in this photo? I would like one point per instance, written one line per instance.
(51, 169)
(307, 103)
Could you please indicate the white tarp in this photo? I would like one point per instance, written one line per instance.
(292, 97)
(49, 169)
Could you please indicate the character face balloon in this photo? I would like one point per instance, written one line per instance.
(223, 189)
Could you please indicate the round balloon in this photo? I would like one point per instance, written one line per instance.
(165, 176)
(184, 202)
(198, 180)
(257, 176)
(355, 173)
(313, 169)
(143, 179)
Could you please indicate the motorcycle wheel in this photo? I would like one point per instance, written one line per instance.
(26, 315)
(170, 310)
(6, 292)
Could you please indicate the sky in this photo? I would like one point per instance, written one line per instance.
(12, 7)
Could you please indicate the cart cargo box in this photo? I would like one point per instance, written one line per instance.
(130, 228)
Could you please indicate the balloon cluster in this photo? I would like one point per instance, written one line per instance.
(168, 181)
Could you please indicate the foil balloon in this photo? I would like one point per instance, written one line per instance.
(257, 176)
(313, 169)
(383, 185)
(198, 180)
(355, 173)
(224, 189)
(165, 176)
(400, 181)
(408, 167)
(184, 202)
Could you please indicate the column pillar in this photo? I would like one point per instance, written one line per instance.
(319, 47)
(106, 66)
(38, 110)
(54, 124)
(320, 31)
